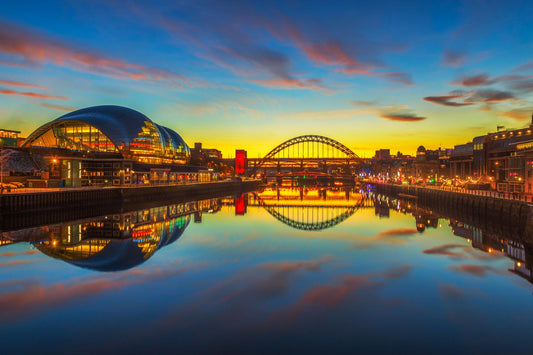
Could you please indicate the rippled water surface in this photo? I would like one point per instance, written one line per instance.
(288, 270)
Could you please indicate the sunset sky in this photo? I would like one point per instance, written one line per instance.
(252, 74)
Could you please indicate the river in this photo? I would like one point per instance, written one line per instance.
(281, 270)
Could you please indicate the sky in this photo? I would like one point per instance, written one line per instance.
(252, 74)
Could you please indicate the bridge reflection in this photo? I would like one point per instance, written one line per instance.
(313, 208)
(114, 242)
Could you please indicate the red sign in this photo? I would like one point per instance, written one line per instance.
(241, 161)
(240, 205)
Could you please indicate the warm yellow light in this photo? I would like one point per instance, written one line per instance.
(519, 264)
(490, 250)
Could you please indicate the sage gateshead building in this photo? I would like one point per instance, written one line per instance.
(112, 145)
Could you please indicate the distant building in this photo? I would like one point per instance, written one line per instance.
(9, 138)
(382, 154)
(201, 156)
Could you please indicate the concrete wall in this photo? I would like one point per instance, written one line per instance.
(507, 217)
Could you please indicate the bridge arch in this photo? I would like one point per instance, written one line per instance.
(317, 220)
(314, 145)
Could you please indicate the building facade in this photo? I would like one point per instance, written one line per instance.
(111, 145)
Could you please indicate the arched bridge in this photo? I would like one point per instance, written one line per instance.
(310, 217)
(306, 152)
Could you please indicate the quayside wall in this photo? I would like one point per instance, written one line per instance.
(101, 199)
(511, 217)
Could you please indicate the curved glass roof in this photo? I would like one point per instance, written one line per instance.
(173, 139)
(120, 124)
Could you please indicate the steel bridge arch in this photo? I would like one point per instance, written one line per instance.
(309, 138)
(306, 226)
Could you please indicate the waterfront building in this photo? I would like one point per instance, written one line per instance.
(430, 165)
(111, 145)
(461, 160)
(202, 156)
(9, 138)
(504, 158)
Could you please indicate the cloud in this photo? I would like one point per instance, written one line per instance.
(389, 237)
(266, 281)
(27, 252)
(453, 58)
(335, 294)
(451, 292)
(445, 249)
(476, 270)
(525, 84)
(477, 80)
(35, 297)
(399, 232)
(398, 272)
(19, 262)
(26, 48)
(31, 94)
(289, 83)
(58, 107)
(16, 83)
(402, 116)
(447, 100)
(397, 77)
(519, 114)
(524, 67)
(490, 96)
(363, 103)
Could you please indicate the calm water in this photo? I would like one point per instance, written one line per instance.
(283, 271)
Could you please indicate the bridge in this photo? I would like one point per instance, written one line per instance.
(307, 216)
(318, 154)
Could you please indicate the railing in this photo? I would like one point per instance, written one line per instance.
(489, 193)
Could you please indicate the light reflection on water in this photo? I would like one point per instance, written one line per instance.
(281, 270)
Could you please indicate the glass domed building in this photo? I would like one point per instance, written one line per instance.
(112, 129)
(110, 145)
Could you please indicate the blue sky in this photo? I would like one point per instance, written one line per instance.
(252, 74)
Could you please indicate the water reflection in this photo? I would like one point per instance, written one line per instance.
(311, 208)
(243, 281)
(516, 247)
(114, 242)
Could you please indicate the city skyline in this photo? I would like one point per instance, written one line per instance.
(249, 75)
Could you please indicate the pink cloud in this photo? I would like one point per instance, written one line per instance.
(28, 48)
(476, 270)
(27, 252)
(31, 94)
(445, 249)
(447, 100)
(34, 297)
(289, 83)
(401, 231)
(16, 83)
(18, 262)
